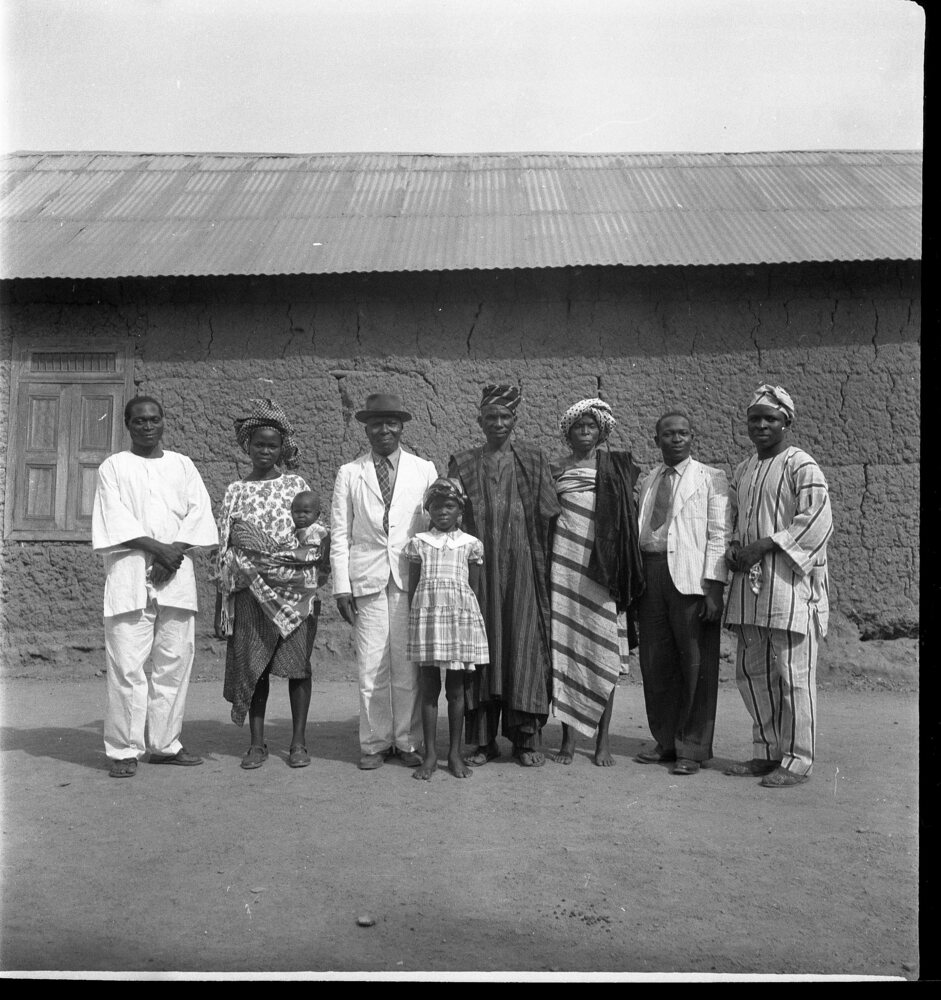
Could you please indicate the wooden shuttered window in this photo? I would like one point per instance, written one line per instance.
(67, 416)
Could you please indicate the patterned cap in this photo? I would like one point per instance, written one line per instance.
(775, 396)
(268, 413)
(598, 408)
(447, 489)
(501, 395)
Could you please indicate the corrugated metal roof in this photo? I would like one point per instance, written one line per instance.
(105, 215)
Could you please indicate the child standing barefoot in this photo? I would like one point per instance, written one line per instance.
(446, 628)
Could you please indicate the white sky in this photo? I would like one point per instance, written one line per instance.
(453, 76)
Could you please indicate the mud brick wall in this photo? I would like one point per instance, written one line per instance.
(843, 338)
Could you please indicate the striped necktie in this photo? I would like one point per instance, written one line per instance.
(663, 500)
(385, 486)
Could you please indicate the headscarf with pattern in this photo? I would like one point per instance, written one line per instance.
(501, 395)
(268, 413)
(447, 489)
(775, 396)
(598, 409)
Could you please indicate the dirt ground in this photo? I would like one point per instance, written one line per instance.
(517, 873)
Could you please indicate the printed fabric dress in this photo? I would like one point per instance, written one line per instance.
(589, 636)
(256, 640)
(445, 625)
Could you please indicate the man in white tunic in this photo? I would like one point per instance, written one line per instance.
(778, 597)
(151, 508)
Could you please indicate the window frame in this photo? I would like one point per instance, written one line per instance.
(20, 374)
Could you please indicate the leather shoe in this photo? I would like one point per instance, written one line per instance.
(783, 779)
(409, 758)
(753, 768)
(182, 757)
(370, 761)
(656, 756)
(685, 766)
(254, 757)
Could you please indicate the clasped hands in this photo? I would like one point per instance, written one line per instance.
(167, 560)
(740, 558)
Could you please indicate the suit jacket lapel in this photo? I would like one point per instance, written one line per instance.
(368, 473)
(404, 469)
(688, 485)
(645, 493)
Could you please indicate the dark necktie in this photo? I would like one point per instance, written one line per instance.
(663, 500)
(385, 486)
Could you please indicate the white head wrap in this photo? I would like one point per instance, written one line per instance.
(599, 410)
(773, 395)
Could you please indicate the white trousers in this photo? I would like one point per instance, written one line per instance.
(138, 704)
(776, 673)
(389, 704)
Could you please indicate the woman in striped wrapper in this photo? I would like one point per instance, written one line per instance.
(595, 577)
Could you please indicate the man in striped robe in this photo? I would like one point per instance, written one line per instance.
(777, 602)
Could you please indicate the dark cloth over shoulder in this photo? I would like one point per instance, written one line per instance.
(615, 560)
(515, 608)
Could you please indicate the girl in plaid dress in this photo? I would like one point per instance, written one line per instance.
(446, 629)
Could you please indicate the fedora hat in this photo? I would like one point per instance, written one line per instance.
(383, 404)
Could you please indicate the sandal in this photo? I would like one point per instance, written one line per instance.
(125, 767)
(254, 757)
(298, 757)
(529, 758)
(481, 757)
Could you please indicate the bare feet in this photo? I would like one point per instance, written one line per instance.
(566, 753)
(426, 769)
(458, 768)
(483, 755)
(602, 755)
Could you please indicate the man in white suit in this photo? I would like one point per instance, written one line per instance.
(377, 507)
(685, 525)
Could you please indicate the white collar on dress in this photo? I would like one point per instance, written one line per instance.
(439, 539)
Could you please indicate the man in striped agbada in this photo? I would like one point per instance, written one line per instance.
(777, 601)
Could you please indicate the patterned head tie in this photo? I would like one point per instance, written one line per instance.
(445, 489)
(268, 413)
(597, 408)
(775, 396)
(501, 395)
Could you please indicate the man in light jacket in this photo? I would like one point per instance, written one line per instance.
(377, 507)
(685, 525)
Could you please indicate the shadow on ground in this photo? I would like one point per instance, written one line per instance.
(209, 738)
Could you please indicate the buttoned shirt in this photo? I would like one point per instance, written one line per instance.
(656, 540)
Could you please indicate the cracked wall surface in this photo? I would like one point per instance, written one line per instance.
(844, 340)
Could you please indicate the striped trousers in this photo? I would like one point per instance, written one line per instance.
(776, 673)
